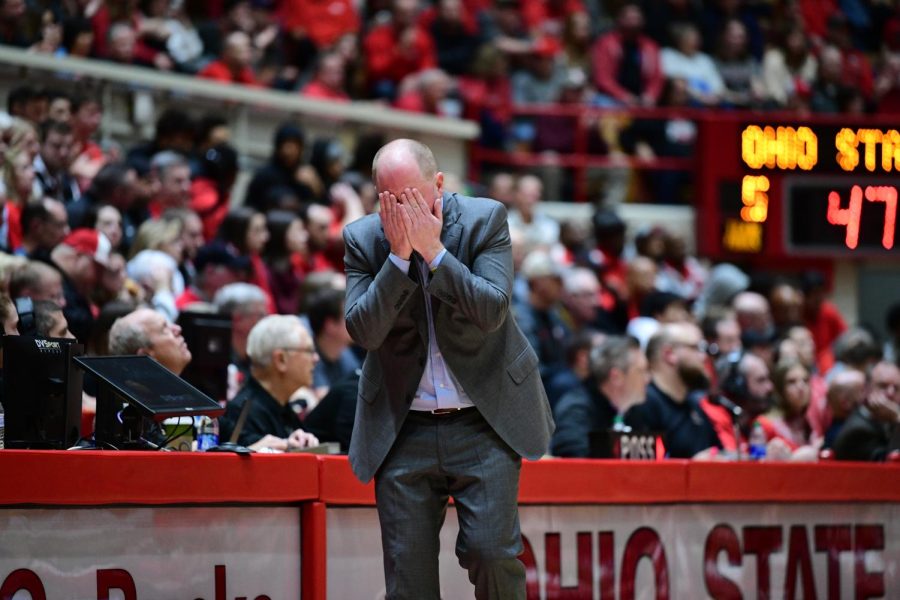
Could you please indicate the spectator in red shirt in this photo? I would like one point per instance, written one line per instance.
(328, 82)
(822, 318)
(244, 229)
(626, 63)
(487, 94)
(171, 182)
(857, 70)
(322, 21)
(427, 92)
(234, 64)
(396, 49)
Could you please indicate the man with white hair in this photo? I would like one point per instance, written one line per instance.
(282, 357)
(146, 331)
(245, 304)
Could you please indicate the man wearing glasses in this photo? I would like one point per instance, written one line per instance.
(282, 358)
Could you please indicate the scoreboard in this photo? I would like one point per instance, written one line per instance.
(775, 188)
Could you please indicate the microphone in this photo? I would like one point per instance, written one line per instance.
(720, 400)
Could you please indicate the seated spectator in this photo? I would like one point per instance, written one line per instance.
(325, 245)
(109, 223)
(581, 302)
(539, 317)
(871, 430)
(147, 332)
(739, 69)
(245, 304)
(38, 281)
(641, 275)
(856, 70)
(19, 178)
(752, 312)
(541, 231)
(234, 64)
(577, 369)
(286, 255)
(541, 82)
(686, 61)
(722, 333)
(328, 81)
(170, 175)
(724, 283)
(626, 63)
(244, 231)
(618, 380)
(680, 273)
(281, 170)
(81, 258)
(789, 69)
(455, 36)
(49, 320)
(216, 172)
(822, 318)
(323, 23)
(396, 49)
(44, 225)
(333, 343)
(677, 368)
(51, 166)
(829, 93)
(175, 130)
(87, 156)
(191, 239)
(486, 91)
(792, 399)
(429, 92)
(846, 392)
(13, 24)
(282, 358)
(217, 266)
(116, 184)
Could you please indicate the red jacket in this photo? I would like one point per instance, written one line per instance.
(221, 72)
(324, 21)
(386, 60)
(606, 55)
(316, 89)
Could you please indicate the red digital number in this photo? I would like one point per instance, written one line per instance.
(849, 216)
(888, 195)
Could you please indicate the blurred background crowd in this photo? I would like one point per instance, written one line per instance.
(115, 243)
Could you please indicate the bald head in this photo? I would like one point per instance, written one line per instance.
(402, 153)
(407, 164)
(846, 391)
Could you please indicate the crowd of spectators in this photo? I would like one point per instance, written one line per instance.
(630, 329)
(498, 62)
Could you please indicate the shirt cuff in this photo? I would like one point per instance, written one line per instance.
(434, 264)
(401, 264)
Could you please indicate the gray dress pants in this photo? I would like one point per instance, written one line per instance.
(435, 458)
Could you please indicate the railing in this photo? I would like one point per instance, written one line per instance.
(253, 113)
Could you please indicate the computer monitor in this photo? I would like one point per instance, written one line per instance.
(41, 392)
(208, 337)
(135, 393)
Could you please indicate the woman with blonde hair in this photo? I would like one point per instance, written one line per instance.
(792, 397)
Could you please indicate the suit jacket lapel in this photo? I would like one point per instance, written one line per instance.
(452, 232)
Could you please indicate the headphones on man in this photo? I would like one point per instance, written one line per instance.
(734, 384)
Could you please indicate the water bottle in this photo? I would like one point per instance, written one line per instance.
(2, 426)
(757, 442)
(207, 433)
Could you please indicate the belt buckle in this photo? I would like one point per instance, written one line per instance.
(440, 412)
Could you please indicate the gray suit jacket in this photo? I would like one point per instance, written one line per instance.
(481, 343)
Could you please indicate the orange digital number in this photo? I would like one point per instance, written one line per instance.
(848, 217)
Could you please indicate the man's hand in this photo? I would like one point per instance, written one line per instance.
(882, 408)
(423, 223)
(394, 228)
(302, 439)
(270, 442)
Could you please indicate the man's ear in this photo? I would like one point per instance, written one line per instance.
(439, 182)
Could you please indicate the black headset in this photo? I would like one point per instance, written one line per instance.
(734, 384)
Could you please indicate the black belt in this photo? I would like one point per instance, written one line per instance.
(441, 413)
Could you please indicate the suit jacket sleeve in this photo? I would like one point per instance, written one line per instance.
(375, 294)
(483, 293)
